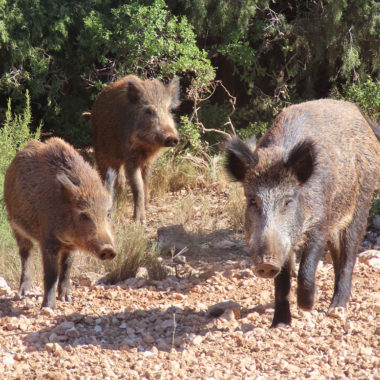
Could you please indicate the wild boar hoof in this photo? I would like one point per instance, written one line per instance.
(24, 289)
(65, 298)
(305, 299)
(279, 325)
(339, 312)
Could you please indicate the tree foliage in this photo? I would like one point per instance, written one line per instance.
(267, 53)
(64, 52)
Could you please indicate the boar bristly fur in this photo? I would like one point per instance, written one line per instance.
(55, 198)
(131, 122)
(308, 185)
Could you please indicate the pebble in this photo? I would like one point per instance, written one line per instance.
(4, 288)
(47, 311)
(8, 360)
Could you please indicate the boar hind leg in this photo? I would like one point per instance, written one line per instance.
(25, 250)
(344, 259)
(50, 257)
(137, 185)
(64, 285)
(282, 290)
(306, 274)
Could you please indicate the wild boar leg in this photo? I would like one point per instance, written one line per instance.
(146, 171)
(50, 257)
(64, 285)
(134, 175)
(281, 291)
(344, 259)
(307, 269)
(25, 248)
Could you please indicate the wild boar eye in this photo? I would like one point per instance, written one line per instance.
(84, 217)
(109, 214)
(253, 202)
(288, 202)
(149, 111)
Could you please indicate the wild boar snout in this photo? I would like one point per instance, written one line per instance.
(171, 141)
(107, 252)
(267, 270)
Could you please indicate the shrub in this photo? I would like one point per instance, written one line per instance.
(66, 51)
(365, 94)
(14, 134)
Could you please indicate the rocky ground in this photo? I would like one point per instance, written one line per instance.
(208, 320)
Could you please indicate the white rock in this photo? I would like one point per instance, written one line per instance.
(8, 360)
(72, 333)
(218, 309)
(98, 329)
(66, 325)
(197, 340)
(142, 272)
(47, 311)
(4, 288)
(366, 256)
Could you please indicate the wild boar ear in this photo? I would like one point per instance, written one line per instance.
(69, 190)
(301, 160)
(239, 158)
(174, 92)
(109, 182)
(135, 90)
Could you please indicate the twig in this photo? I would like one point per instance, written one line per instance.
(196, 96)
(174, 328)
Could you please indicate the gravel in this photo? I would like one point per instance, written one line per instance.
(148, 333)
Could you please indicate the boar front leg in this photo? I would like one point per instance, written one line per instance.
(281, 291)
(146, 171)
(50, 256)
(25, 248)
(137, 184)
(64, 285)
(306, 274)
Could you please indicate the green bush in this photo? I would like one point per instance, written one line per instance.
(365, 94)
(14, 134)
(65, 52)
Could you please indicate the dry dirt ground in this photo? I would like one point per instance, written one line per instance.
(144, 329)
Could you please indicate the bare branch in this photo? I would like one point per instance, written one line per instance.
(196, 94)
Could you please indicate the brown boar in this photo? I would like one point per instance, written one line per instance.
(308, 186)
(131, 121)
(57, 199)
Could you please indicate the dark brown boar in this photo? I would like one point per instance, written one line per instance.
(308, 186)
(57, 199)
(131, 121)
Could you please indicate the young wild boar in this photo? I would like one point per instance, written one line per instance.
(308, 186)
(131, 121)
(57, 199)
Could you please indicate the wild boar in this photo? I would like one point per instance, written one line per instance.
(131, 121)
(57, 199)
(308, 186)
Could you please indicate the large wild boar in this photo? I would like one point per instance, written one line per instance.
(57, 199)
(131, 121)
(308, 186)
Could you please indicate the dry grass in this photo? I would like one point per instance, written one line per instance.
(235, 207)
(190, 172)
